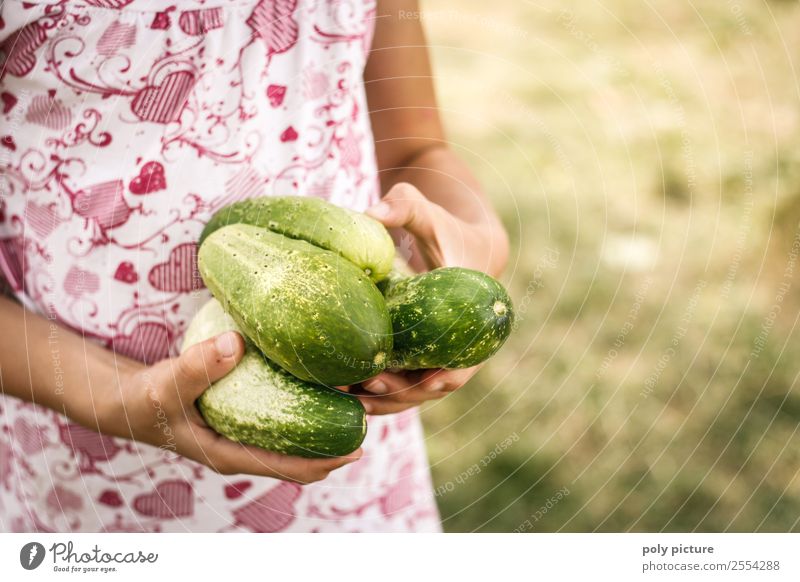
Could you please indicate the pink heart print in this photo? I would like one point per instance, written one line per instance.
(149, 342)
(272, 21)
(88, 443)
(161, 21)
(289, 134)
(7, 141)
(275, 94)
(9, 100)
(116, 36)
(78, 282)
(61, 499)
(165, 102)
(197, 22)
(179, 273)
(20, 49)
(113, 4)
(103, 203)
(170, 499)
(150, 179)
(47, 111)
(126, 273)
(12, 267)
(235, 490)
(29, 437)
(271, 512)
(42, 219)
(111, 498)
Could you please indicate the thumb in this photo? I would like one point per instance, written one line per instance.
(405, 206)
(205, 363)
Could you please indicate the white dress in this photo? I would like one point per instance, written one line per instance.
(125, 125)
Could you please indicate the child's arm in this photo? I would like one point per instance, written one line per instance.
(45, 363)
(430, 192)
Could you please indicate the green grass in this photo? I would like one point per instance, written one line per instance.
(655, 151)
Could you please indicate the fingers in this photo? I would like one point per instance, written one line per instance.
(380, 406)
(446, 380)
(405, 206)
(389, 393)
(230, 458)
(204, 363)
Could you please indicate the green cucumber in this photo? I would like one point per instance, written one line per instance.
(355, 236)
(259, 404)
(310, 311)
(447, 318)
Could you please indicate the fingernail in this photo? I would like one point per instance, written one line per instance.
(226, 344)
(379, 210)
(377, 388)
(435, 387)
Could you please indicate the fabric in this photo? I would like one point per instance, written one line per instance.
(125, 125)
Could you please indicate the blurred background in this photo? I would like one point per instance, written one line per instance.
(646, 162)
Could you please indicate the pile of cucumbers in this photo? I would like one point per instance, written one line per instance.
(311, 287)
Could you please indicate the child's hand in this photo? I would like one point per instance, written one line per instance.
(443, 240)
(156, 405)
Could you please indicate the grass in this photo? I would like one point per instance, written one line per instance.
(645, 163)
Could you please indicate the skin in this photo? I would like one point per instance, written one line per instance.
(430, 195)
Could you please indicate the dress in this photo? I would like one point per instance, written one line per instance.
(125, 125)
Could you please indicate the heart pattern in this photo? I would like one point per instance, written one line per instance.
(170, 499)
(117, 36)
(20, 49)
(276, 94)
(88, 444)
(8, 100)
(150, 179)
(7, 141)
(272, 22)
(289, 134)
(161, 21)
(30, 437)
(113, 4)
(126, 273)
(197, 22)
(165, 102)
(111, 498)
(61, 500)
(12, 266)
(47, 111)
(179, 273)
(235, 490)
(271, 512)
(104, 204)
(42, 219)
(79, 282)
(149, 342)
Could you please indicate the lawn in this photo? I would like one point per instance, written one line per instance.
(646, 161)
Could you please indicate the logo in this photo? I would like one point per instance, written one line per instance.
(31, 555)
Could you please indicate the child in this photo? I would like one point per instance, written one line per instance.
(125, 125)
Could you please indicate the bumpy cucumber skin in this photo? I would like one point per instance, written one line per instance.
(355, 236)
(310, 311)
(259, 404)
(447, 318)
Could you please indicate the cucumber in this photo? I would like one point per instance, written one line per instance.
(259, 404)
(355, 236)
(447, 318)
(310, 311)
